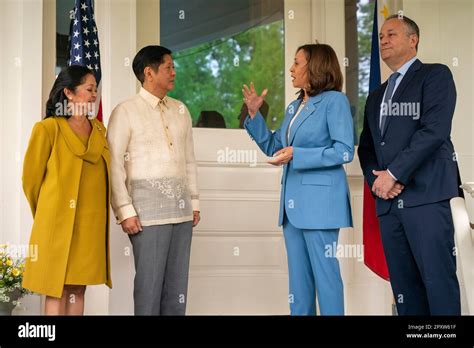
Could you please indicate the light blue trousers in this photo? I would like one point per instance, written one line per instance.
(313, 271)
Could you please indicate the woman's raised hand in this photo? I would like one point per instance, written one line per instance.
(252, 99)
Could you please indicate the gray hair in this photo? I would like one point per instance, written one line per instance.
(410, 25)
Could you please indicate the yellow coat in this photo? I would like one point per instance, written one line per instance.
(51, 176)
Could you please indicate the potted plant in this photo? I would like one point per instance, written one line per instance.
(11, 275)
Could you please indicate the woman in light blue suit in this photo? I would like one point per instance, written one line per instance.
(314, 141)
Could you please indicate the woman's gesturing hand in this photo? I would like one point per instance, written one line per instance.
(252, 99)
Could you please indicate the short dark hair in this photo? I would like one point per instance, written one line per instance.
(324, 71)
(152, 56)
(69, 77)
(410, 26)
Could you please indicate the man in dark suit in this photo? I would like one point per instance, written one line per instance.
(408, 159)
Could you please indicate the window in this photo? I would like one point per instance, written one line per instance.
(359, 21)
(63, 21)
(217, 47)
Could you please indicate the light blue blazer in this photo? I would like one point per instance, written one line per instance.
(314, 193)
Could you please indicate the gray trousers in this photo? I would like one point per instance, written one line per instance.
(161, 254)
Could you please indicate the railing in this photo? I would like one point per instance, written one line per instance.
(464, 239)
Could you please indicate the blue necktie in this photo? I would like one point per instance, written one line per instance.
(388, 96)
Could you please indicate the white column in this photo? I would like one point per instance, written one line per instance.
(20, 106)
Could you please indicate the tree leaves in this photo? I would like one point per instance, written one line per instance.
(210, 76)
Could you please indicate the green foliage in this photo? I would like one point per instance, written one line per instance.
(11, 276)
(210, 76)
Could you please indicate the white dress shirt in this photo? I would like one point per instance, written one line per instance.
(300, 108)
(154, 173)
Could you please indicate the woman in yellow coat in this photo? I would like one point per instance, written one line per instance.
(66, 181)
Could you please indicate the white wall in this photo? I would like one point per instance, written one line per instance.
(20, 90)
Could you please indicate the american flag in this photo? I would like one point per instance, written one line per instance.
(84, 44)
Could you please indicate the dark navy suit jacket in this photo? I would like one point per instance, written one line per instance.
(415, 147)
